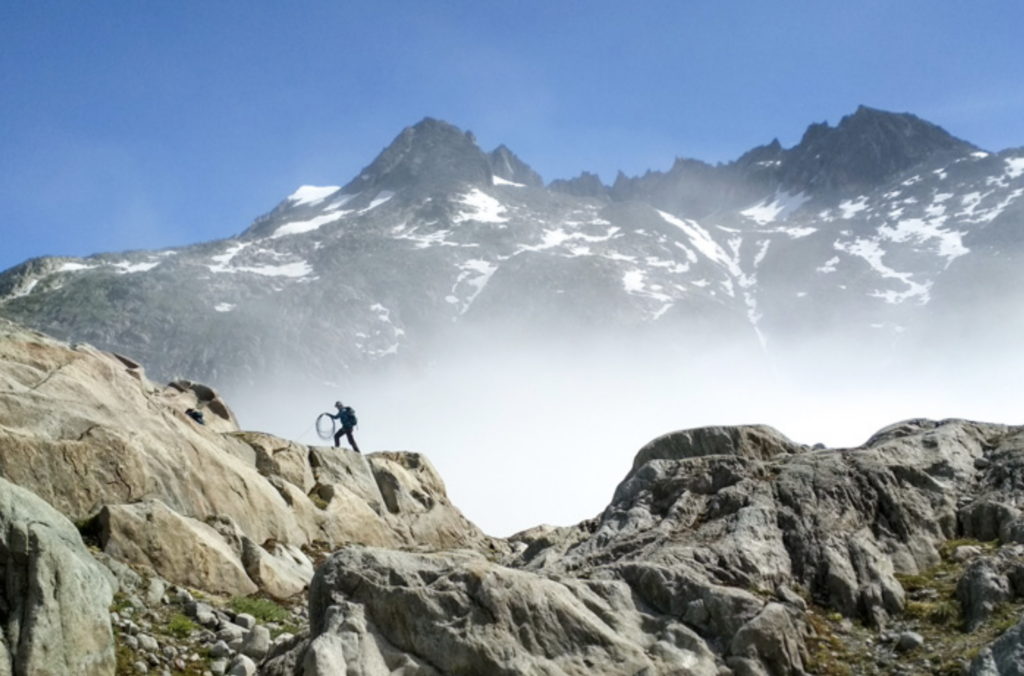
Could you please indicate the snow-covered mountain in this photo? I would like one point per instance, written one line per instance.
(884, 230)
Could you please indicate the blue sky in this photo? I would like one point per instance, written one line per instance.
(153, 124)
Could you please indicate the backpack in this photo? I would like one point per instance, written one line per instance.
(348, 417)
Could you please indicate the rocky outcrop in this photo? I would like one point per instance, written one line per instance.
(691, 569)
(202, 505)
(54, 597)
(458, 613)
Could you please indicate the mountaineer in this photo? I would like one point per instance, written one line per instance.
(347, 417)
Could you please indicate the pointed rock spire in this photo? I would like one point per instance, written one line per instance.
(430, 154)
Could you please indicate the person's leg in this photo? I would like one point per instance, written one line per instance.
(337, 437)
(352, 440)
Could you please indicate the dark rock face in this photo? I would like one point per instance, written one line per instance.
(430, 154)
(864, 150)
(506, 165)
(584, 185)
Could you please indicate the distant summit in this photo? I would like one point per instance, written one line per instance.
(505, 165)
(428, 154)
(863, 150)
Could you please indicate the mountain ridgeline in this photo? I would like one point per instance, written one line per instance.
(883, 230)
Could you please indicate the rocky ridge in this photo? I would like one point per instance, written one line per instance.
(724, 550)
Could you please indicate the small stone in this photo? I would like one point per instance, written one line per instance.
(230, 632)
(155, 591)
(220, 649)
(982, 463)
(141, 668)
(207, 619)
(908, 641)
(148, 643)
(964, 553)
(282, 639)
(170, 652)
(219, 667)
(245, 620)
(790, 597)
(242, 666)
(256, 644)
(131, 641)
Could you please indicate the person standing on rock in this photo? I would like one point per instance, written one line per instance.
(347, 417)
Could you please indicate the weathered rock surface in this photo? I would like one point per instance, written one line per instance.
(206, 506)
(54, 597)
(690, 569)
(459, 613)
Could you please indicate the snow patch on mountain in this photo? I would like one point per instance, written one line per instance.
(294, 270)
(475, 274)
(382, 197)
(872, 253)
(222, 264)
(1015, 167)
(425, 240)
(224, 307)
(76, 267)
(385, 337)
(851, 208)
(635, 283)
(775, 208)
(24, 290)
(973, 213)
(950, 242)
(126, 267)
(482, 208)
(498, 180)
(829, 266)
(701, 240)
(298, 227)
(798, 232)
(311, 194)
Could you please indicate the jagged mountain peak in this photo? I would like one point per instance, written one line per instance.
(506, 165)
(430, 153)
(863, 150)
(586, 184)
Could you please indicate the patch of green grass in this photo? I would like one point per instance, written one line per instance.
(947, 548)
(827, 654)
(121, 603)
(941, 613)
(264, 610)
(125, 660)
(181, 626)
(1005, 616)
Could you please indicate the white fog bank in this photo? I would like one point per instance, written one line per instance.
(525, 436)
